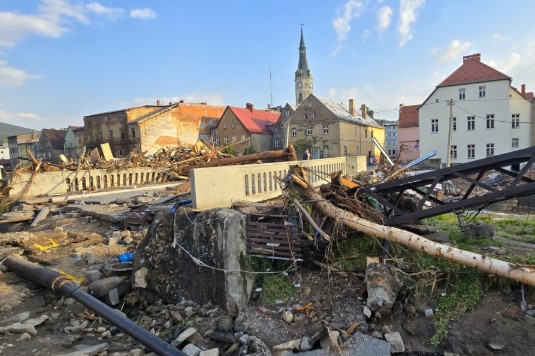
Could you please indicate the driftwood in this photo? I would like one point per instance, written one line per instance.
(523, 274)
(282, 155)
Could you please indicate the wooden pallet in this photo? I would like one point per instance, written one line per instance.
(273, 240)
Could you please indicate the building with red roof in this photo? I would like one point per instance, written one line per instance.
(246, 129)
(474, 113)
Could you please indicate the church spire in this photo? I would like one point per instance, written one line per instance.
(303, 76)
(302, 67)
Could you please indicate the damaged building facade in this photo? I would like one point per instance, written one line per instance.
(148, 128)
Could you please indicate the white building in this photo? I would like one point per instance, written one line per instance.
(488, 115)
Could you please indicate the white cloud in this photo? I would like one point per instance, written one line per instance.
(454, 51)
(508, 64)
(143, 14)
(352, 9)
(112, 13)
(498, 37)
(27, 115)
(50, 20)
(408, 13)
(365, 35)
(14, 27)
(384, 17)
(10, 76)
(55, 10)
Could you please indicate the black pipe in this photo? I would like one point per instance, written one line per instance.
(58, 282)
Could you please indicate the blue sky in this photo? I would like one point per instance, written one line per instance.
(63, 59)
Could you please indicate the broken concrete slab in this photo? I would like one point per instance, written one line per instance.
(203, 244)
(43, 213)
(383, 285)
(396, 342)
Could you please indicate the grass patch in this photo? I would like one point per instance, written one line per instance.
(277, 287)
(351, 253)
(463, 294)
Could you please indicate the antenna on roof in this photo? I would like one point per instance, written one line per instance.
(270, 87)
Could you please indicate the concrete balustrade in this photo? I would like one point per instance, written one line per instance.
(63, 182)
(220, 186)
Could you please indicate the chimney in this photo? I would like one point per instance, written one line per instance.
(476, 56)
(523, 89)
(249, 106)
(352, 107)
(364, 110)
(158, 102)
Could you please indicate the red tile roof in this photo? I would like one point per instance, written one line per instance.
(55, 137)
(255, 121)
(408, 116)
(473, 71)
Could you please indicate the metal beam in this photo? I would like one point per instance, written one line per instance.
(390, 193)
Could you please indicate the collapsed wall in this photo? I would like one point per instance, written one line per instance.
(196, 256)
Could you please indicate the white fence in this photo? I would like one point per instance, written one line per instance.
(220, 186)
(62, 182)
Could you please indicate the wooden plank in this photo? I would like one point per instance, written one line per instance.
(280, 242)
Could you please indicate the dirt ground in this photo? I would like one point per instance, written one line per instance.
(497, 326)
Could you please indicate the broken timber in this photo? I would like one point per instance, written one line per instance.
(518, 273)
(390, 193)
(281, 155)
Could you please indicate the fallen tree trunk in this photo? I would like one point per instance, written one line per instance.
(489, 265)
(283, 155)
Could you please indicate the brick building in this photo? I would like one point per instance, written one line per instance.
(149, 128)
(247, 129)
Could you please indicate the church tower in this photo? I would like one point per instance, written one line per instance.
(303, 76)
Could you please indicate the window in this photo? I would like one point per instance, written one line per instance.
(277, 143)
(471, 123)
(122, 134)
(225, 140)
(325, 129)
(224, 126)
(325, 151)
(305, 116)
(490, 149)
(434, 125)
(233, 124)
(490, 121)
(514, 143)
(277, 129)
(120, 152)
(515, 121)
(242, 138)
(233, 139)
(453, 124)
(217, 141)
(365, 132)
(309, 131)
(453, 151)
(471, 151)
(345, 151)
(133, 132)
(287, 112)
(294, 132)
(314, 116)
(482, 91)
(462, 94)
(111, 135)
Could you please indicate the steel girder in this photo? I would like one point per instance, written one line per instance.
(390, 193)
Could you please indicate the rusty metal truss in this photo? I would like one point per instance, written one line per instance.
(423, 186)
